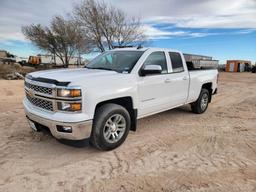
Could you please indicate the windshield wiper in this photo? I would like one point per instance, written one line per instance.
(101, 68)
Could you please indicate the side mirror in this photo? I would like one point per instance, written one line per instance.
(150, 70)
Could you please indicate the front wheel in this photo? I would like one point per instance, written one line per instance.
(111, 126)
(201, 104)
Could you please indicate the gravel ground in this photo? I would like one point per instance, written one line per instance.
(171, 151)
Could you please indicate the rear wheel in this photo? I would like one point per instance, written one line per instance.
(201, 104)
(111, 126)
(254, 69)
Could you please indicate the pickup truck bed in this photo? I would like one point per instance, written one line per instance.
(197, 76)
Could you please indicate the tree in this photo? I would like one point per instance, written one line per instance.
(9, 55)
(107, 26)
(63, 38)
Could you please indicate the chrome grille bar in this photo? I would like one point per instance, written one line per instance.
(33, 89)
(44, 95)
(44, 104)
(40, 89)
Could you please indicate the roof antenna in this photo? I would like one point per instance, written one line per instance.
(139, 46)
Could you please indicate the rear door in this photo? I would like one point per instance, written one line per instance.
(179, 80)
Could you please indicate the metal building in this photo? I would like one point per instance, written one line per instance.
(238, 65)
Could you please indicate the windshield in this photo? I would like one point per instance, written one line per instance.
(119, 61)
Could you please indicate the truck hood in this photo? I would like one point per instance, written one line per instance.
(71, 75)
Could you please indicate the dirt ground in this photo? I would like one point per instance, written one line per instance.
(172, 151)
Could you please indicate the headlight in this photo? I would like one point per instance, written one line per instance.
(65, 106)
(69, 92)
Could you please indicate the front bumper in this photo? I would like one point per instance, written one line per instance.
(80, 130)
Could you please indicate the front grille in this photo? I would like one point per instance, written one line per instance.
(44, 104)
(40, 89)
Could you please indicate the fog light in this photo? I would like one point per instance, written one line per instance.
(65, 106)
(64, 129)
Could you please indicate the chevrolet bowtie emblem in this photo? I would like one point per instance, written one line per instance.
(30, 93)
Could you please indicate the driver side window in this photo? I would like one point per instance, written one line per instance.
(157, 58)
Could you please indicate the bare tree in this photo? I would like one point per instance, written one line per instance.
(107, 26)
(63, 38)
(127, 31)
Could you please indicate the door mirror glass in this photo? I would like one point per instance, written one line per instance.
(151, 69)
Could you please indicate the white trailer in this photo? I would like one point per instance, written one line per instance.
(46, 59)
(51, 59)
(72, 61)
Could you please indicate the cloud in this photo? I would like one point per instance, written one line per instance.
(17, 13)
(155, 33)
(15, 36)
(194, 13)
(167, 33)
(179, 15)
(215, 21)
(245, 31)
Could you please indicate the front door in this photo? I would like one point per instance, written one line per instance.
(153, 90)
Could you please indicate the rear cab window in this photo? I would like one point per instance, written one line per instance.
(177, 64)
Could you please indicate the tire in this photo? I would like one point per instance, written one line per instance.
(201, 104)
(111, 126)
(254, 70)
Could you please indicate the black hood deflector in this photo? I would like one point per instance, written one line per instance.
(46, 80)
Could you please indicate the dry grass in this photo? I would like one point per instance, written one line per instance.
(6, 69)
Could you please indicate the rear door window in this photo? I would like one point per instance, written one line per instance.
(177, 64)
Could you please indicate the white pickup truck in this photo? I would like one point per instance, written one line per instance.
(103, 101)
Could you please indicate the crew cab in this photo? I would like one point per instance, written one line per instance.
(103, 101)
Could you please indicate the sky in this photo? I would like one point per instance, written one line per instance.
(223, 29)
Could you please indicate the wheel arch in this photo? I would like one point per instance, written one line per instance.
(125, 102)
(208, 86)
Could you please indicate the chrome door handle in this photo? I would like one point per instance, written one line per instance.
(167, 81)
